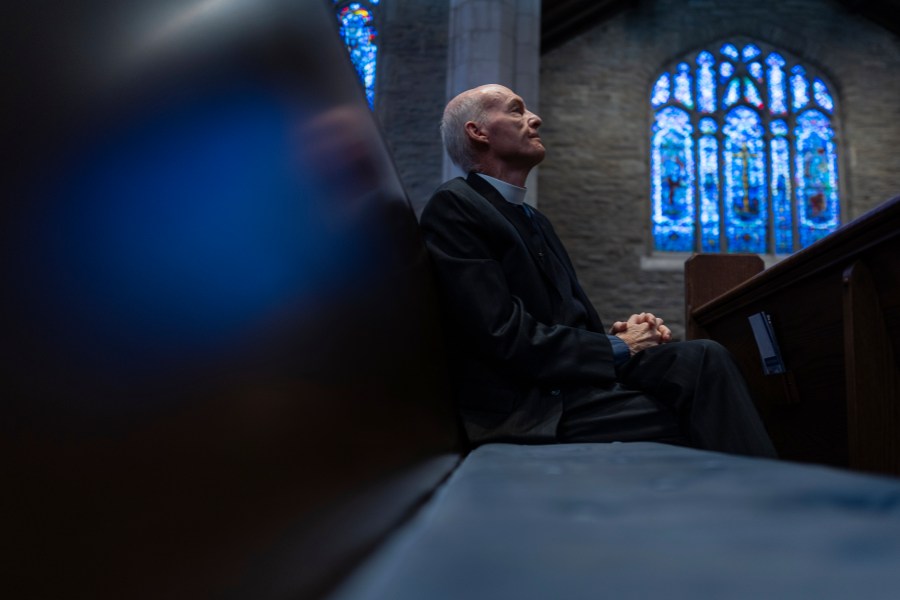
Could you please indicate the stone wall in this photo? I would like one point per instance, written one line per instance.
(595, 181)
(411, 90)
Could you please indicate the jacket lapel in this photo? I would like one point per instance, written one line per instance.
(536, 246)
(530, 236)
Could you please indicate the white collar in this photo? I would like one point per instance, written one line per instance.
(511, 193)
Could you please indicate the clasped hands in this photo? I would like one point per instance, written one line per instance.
(641, 332)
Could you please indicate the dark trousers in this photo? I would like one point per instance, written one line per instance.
(686, 393)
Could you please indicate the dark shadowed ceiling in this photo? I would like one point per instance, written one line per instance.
(561, 20)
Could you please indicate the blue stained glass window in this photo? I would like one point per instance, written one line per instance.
(820, 93)
(799, 88)
(706, 83)
(745, 179)
(673, 180)
(816, 177)
(661, 91)
(777, 93)
(780, 188)
(359, 34)
(719, 183)
(708, 170)
(683, 85)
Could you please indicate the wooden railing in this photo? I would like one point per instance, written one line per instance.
(835, 312)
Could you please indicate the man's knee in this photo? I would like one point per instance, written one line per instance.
(709, 347)
(713, 357)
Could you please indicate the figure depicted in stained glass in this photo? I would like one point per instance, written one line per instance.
(674, 176)
(673, 179)
(816, 177)
(743, 192)
(747, 201)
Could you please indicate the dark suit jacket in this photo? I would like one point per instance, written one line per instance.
(515, 362)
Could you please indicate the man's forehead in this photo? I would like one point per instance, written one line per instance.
(496, 94)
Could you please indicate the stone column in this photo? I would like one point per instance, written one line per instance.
(495, 41)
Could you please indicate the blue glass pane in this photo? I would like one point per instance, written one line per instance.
(732, 93)
(359, 37)
(706, 83)
(708, 125)
(751, 94)
(818, 211)
(661, 91)
(749, 52)
(781, 194)
(756, 71)
(774, 59)
(777, 92)
(672, 174)
(820, 93)
(708, 152)
(778, 127)
(683, 85)
(726, 70)
(799, 88)
(730, 51)
(745, 182)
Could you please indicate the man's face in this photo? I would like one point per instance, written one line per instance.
(511, 129)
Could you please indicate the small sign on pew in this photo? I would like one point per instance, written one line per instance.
(772, 362)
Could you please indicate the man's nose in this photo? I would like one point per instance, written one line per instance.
(534, 120)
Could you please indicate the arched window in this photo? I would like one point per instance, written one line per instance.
(743, 155)
(358, 31)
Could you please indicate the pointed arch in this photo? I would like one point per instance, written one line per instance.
(743, 152)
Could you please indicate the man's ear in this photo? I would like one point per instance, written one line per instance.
(476, 132)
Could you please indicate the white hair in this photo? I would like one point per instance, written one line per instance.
(462, 109)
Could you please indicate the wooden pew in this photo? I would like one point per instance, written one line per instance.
(835, 311)
(222, 372)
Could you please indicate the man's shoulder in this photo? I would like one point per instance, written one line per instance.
(454, 195)
(456, 185)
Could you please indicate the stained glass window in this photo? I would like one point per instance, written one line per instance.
(743, 153)
(673, 179)
(816, 175)
(357, 28)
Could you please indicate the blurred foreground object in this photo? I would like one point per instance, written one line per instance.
(213, 289)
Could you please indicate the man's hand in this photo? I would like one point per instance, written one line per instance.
(641, 332)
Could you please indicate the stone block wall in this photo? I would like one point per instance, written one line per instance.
(595, 182)
(411, 90)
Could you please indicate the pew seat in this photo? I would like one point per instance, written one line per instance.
(640, 520)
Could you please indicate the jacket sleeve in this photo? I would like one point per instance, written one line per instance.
(481, 264)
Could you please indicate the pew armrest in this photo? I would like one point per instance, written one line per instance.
(708, 276)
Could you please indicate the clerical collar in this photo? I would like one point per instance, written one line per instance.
(511, 193)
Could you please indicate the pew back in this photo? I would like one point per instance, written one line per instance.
(835, 309)
(222, 364)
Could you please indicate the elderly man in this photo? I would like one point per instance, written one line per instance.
(531, 359)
